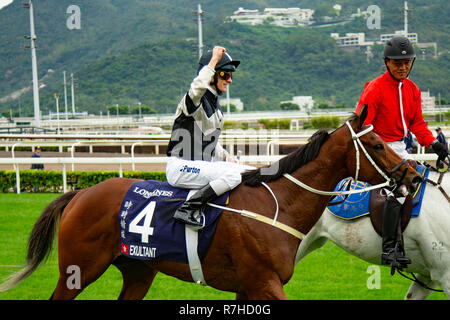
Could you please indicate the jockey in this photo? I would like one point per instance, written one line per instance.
(196, 158)
(394, 107)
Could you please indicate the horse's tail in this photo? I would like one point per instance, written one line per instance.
(41, 239)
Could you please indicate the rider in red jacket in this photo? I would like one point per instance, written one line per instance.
(394, 107)
(390, 121)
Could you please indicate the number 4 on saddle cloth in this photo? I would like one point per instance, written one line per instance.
(148, 230)
(357, 205)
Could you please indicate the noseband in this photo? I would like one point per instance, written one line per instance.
(394, 169)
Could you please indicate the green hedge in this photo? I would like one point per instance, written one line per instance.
(275, 124)
(325, 122)
(51, 180)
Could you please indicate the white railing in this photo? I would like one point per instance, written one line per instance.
(70, 141)
(141, 160)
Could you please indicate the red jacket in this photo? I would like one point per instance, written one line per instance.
(382, 97)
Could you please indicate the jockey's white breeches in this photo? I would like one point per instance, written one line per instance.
(195, 174)
(400, 148)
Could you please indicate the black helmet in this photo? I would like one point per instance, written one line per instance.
(226, 63)
(399, 48)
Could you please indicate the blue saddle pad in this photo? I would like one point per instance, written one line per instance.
(357, 205)
(147, 228)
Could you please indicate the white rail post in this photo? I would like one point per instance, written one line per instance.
(16, 166)
(132, 154)
(72, 152)
(12, 149)
(64, 176)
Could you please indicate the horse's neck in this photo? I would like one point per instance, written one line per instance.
(303, 207)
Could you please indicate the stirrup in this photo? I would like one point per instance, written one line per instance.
(395, 258)
(188, 217)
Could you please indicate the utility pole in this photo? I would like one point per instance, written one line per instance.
(65, 95)
(57, 111)
(228, 100)
(199, 14)
(73, 95)
(406, 19)
(32, 37)
(440, 112)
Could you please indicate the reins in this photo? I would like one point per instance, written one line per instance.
(390, 182)
(441, 176)
(438, 185)
(414, 279)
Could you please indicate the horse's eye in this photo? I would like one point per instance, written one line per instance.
(378, 147)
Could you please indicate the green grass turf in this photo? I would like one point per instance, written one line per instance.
(327, 273)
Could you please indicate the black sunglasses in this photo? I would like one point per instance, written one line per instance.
(225, 75)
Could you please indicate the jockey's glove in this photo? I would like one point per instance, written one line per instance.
(439, 149)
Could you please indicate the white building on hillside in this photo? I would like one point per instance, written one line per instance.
(428, 102)
(388, 36)
(351, 39)
(283, 17)
(359, 39)
(305, 103)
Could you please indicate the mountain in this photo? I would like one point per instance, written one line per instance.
(146, 51)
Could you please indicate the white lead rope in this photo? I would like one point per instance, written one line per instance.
(334, 193)
(356, 141)
(256, 216)
(355, 136)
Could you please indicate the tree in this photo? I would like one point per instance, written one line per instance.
(144, 110)
(323, 105)
(289, 106)
(122, 109)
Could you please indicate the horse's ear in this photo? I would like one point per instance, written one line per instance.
(362, 115)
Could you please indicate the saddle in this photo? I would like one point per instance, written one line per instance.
(371, 203)
(376, 205)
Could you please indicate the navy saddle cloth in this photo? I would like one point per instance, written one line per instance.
(357, 205)
(147, 228)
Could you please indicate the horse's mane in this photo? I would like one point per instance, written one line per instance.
(289, 163)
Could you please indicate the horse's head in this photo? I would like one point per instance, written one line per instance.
(372, 160)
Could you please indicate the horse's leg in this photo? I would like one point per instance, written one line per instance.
(316, 238)
(445, 283)
(418, 292)
(75, 277)
(259, 282)
(266, 289)
(241, 295)
(62, 292)
(137, 278)
(88, 239)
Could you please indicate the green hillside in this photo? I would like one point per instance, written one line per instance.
(146, 51)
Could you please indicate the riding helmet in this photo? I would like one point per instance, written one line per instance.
(226, 63)
(399, 48)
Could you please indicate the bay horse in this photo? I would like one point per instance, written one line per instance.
(426, 240)
(245, 256)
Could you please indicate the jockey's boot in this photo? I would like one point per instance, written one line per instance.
(393, 253)
(192, 211)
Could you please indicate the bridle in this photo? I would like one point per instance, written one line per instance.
(390, 182)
